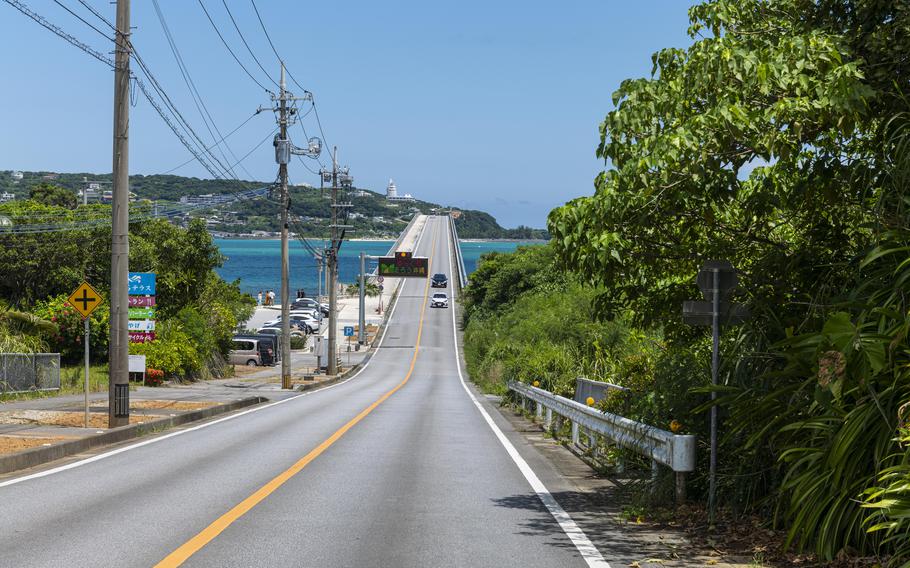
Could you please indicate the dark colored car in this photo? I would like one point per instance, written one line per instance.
(439, 281)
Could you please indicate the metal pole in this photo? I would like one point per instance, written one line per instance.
(332, 366)
(285, 288)
(118, 387)
(715, 359)
(361, 330)
(86, 339)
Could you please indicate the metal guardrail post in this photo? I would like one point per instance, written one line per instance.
(575, 433)
(538, 412)
(548, 420)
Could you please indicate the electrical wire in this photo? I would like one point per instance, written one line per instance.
(243, 39)
(223, 138)
(191, 86)
(221, 37)
(83, 20)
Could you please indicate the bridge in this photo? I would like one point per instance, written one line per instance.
(403, 463)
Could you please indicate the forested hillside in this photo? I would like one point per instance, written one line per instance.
(371, 214)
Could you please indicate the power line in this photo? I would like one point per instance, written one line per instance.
(83, 20)
(223, 138)
(191, 85)
(243, 39)
(221, 37)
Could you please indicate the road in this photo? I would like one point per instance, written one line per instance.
(398, 466)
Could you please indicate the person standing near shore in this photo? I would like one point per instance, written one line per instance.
(259, 298)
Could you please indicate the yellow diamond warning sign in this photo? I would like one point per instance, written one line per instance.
(85, 299)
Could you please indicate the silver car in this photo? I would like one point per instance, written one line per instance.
(439, 300)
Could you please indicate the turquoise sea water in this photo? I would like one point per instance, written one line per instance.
(257, 262)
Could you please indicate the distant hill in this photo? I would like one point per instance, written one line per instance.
(371, 214)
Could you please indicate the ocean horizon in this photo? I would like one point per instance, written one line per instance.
(257, 262)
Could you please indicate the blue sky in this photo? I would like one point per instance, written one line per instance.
(484, 105)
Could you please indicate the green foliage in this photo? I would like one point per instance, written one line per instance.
(775, 141)
(53, 195)
(480, 225)
(173, 352)
(23, 332)
(69, 336)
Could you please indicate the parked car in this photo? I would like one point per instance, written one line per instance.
(309, 313)
(276, 331)
(439, 300)
(246, 351)
(439, 280)
(309, 303)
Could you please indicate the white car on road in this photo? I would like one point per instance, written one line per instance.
(439, 300)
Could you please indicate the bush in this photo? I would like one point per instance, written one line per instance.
(172, 352)
(68, 340)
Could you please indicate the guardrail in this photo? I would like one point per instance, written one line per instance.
(597, 390)
(672, 450)
(24, 372)
(459, 260)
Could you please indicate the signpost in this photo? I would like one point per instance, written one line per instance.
(716, 279)
(85, 300)
(142, 289)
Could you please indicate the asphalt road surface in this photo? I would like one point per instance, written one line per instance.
(398, 466)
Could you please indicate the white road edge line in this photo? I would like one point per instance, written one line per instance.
(585, 547)
(150, 441)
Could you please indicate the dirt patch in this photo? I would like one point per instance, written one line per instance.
(58, 418)
(170, 405)
(11, 444)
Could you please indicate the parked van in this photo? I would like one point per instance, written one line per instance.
(267, 344)
(245, 351)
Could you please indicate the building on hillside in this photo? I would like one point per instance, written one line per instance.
(207, 199)
(17, 176)
(391, 193)
(6, 196)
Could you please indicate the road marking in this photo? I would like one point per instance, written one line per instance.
(155, 440)
(192, 546)
(585, 547)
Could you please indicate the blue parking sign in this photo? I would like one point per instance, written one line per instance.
(142, 284)
(349, 331)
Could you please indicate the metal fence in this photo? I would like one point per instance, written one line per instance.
(459, 260)
(672, 450)
(22, 372)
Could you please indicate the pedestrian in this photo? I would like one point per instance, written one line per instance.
(259, 298)
(271, 297)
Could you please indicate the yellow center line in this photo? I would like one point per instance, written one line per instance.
(192, 546)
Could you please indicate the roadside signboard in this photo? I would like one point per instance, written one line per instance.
(141, 325)
(142, 284)
(142, 313)
(403, 265)
(141, 336)
(349, 331)
(142, 301)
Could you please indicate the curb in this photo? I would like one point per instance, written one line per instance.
(38, 456)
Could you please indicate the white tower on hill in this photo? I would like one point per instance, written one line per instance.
(391, 192)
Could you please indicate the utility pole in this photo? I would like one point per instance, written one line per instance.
(285, 261)
(283, 151)
(362, 320)
(338, 179)
(332, 365)
(118, 387)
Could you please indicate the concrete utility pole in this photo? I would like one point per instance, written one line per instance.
(343, 179)
(362, 320)
(285, 261)
(332, 365)
(118, 387)
(283, 152)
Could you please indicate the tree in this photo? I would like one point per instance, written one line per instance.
(50, 194)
